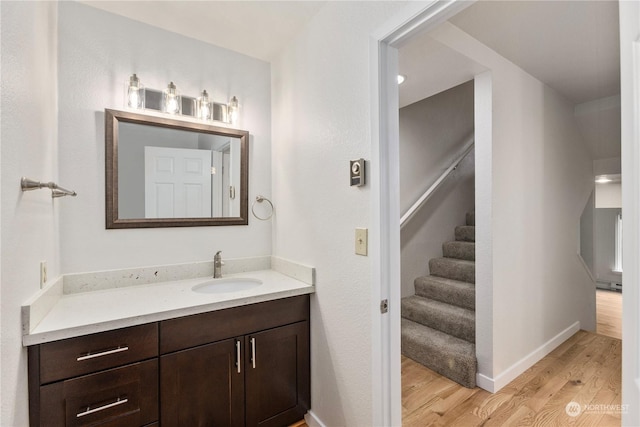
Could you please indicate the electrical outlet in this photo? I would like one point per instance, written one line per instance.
(43, 273)
(361, 241)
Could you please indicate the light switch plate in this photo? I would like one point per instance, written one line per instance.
(361, 241)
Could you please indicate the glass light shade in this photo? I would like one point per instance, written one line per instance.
(134, 93)
(171, 102)
(232, 110)
(204, 109)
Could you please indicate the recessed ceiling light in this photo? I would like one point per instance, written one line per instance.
(401, 79)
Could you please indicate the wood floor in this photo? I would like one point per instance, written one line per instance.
(585, 369)
(609, 313)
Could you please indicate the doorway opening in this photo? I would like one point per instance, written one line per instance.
(401, 40)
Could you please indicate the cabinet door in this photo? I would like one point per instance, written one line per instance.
(203, 386)
(277, 375)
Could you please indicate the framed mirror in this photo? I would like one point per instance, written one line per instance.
(172, 172)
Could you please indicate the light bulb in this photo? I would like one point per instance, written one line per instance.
(204, 106)
(232, 110)
(171, 99)
(134, 93)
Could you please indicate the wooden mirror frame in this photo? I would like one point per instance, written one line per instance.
(114, 117)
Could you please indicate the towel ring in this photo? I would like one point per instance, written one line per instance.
(260, 199)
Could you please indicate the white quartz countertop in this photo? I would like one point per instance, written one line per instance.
(85, 313)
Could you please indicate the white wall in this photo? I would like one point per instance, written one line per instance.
(609, 195)
(433, 132)
(541, 180)
(29, 224)
(98, 51)
(608, 166)
(587, 232)
(604, 245)
(321, 119)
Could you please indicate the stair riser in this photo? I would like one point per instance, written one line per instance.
(465, 298)
(465, 233)
(471, 218)
(459, 369)
(459, 250)
(456, 326)
(463, 272)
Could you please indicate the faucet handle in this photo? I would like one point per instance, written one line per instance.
(218, 254)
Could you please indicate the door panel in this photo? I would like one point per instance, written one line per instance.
(177, 182)
(202, 386)
(277, 389)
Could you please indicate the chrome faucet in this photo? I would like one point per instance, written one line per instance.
(217, 265)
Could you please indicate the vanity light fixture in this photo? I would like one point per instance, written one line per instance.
(232, 110)
(134, 90)
(171, 102)
(203, 106)
(602, 180)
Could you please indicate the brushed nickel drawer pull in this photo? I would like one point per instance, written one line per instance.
(238, 355)
(253, 352)
(102, 408)
(102, 353)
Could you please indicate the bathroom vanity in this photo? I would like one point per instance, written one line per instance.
(238, 359)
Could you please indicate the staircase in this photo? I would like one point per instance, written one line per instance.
(439, 321)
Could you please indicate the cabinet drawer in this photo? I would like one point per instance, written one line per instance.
(125, 396)
(82, 355)
(190, 331)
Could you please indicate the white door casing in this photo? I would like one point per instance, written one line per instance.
(385, 204)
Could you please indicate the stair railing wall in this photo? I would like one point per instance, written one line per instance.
(429, 192)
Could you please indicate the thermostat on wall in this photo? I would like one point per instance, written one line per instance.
(357, 172)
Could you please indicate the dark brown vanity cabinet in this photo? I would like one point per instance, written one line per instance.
(238, 367)
(106, 379)
(242, 366)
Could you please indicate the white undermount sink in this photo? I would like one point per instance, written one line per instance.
(226, 285)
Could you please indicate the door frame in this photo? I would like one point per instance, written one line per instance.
(385, 206)
(629, 13)
(385, 203)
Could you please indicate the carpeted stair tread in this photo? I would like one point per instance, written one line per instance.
(450, 319)
(459, 250)
(449, 356)
(455, 292)
(471, 218)
(466, 233)
(451, 268)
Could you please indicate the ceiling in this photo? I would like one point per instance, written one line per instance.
(572, 46)
(259, 29)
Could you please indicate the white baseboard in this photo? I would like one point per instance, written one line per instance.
(494, 385)
(312, 420)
